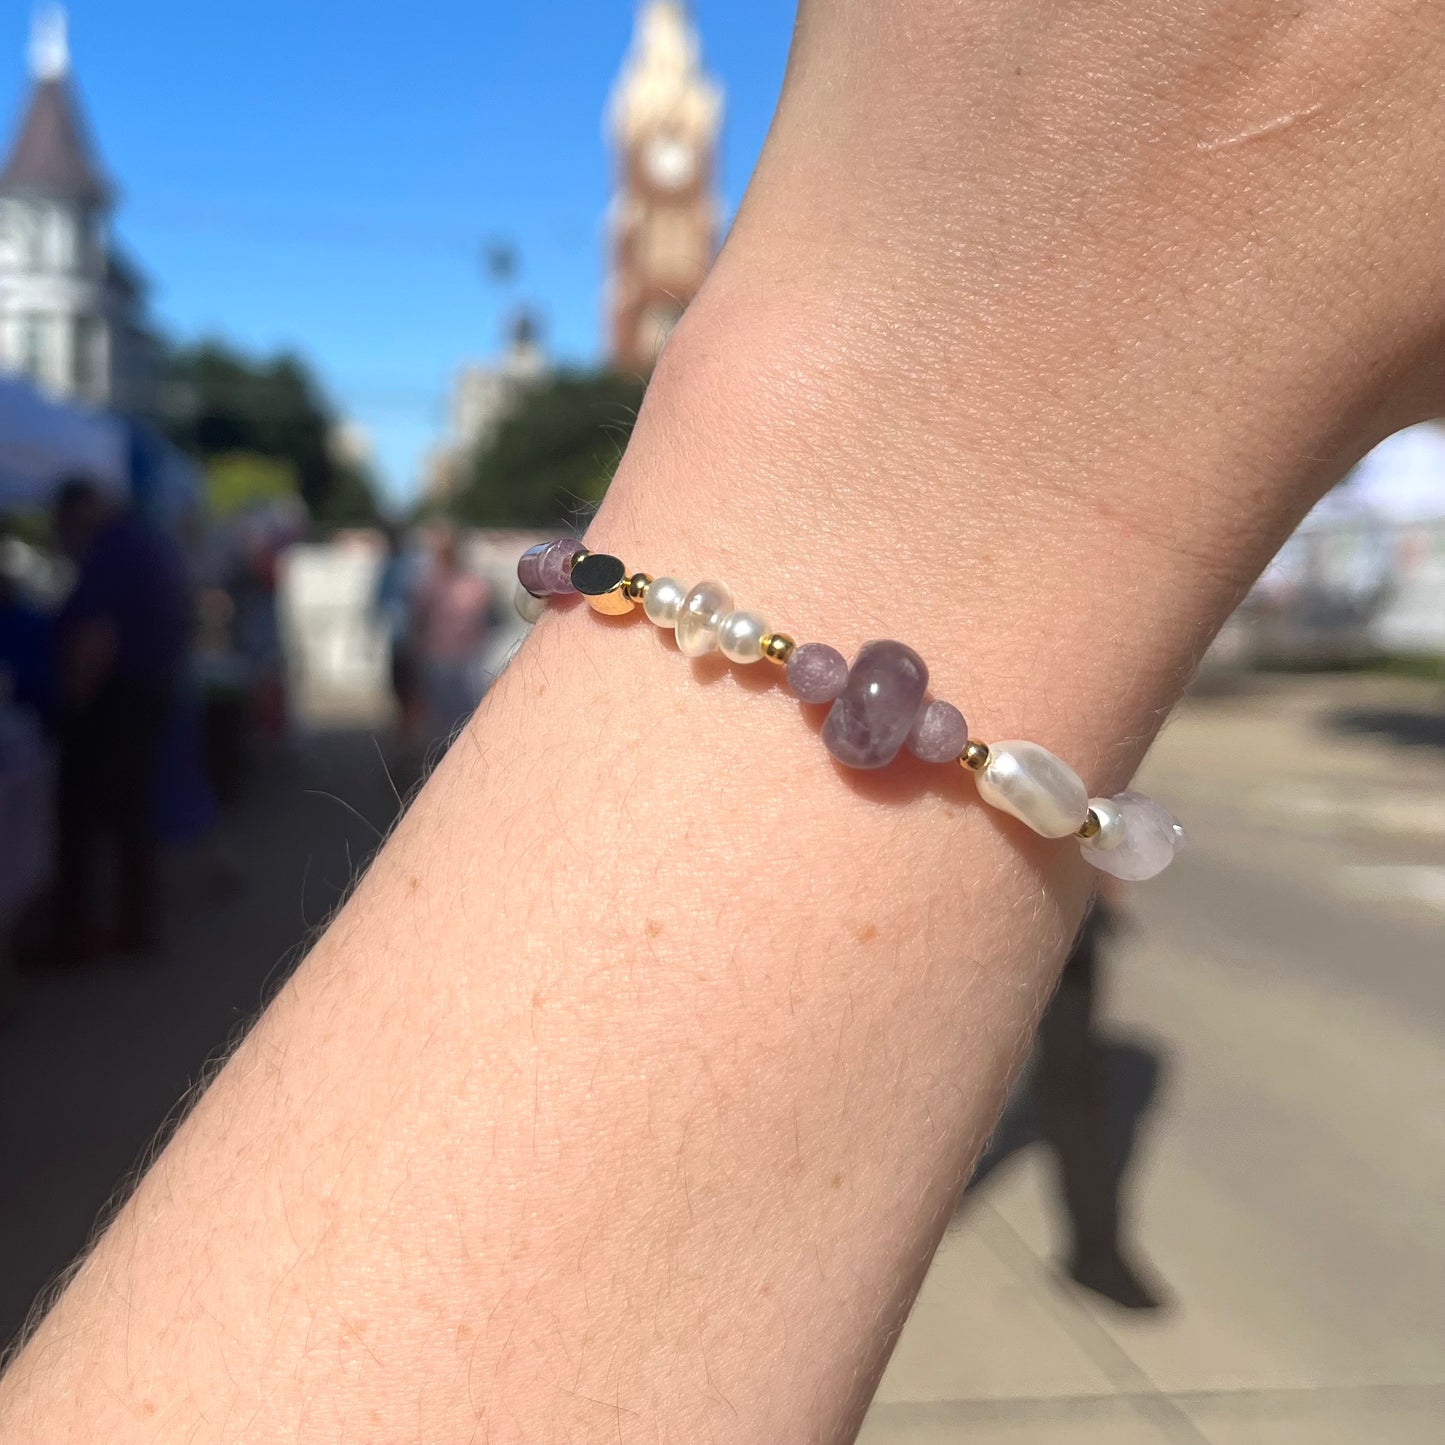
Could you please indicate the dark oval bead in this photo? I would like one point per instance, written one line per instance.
(596, 574)
(875, 712)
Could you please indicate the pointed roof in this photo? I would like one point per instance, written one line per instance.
(52, 155)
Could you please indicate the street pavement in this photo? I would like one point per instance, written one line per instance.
(1276, 1020)
(1286, 981)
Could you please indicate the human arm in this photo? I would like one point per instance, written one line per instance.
(631, 1090)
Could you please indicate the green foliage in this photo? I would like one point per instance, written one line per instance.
(222, 403)
(235, 480)
(351, 502)
(555, 454)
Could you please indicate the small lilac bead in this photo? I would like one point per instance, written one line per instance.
(939, 733)
(529, 569)
(555, 569)
(875, 712)
(817, 672)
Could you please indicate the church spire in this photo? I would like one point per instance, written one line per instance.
(49, 43)
(52, 155)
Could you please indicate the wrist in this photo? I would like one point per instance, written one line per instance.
(769, 456)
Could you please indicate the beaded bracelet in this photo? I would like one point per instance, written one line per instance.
(877, 707)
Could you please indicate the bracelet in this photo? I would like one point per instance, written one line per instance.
(877, 707)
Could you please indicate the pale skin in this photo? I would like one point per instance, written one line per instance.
(629, 1095)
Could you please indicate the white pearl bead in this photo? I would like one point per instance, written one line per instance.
(663, 599)
(740, 636)
(1039, 789)
(1151, 838)
(1111, 824)
(698, 617)
(529, 608)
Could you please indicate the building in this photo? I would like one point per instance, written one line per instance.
(665, 115)
(72, 310)
(482, 395)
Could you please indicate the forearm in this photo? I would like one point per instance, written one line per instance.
(641, 1072)
(633, 1087)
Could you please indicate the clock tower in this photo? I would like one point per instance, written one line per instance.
(664, 118)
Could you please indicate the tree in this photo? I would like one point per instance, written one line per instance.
(554, 453)
(237, 480)
(223, 403)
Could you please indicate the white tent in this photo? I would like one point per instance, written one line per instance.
(42, 442)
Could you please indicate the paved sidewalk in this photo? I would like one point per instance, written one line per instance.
(1289, 1173)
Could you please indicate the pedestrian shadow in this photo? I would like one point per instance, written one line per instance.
(1133, 1072)
(1396, 725)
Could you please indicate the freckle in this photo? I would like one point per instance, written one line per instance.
(464, 1332)
(837, 1181)
(413, 884)
(541, 689)
(767, 1288)
(148, 1407)
(654, 927)
(867, 933)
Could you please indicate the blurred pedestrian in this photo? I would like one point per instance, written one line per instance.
(393, 606)
(27, 651)
(452, 619)
(121, 644)
(256, 624)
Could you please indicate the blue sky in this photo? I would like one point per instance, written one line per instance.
(323, 176)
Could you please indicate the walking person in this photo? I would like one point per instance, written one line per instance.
(452, 619)
(393, 606)
(122, 638)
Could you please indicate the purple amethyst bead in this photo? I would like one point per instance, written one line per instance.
(555, 569)
(939, 733)
(817, 672)
(875, 712)
(529, 569)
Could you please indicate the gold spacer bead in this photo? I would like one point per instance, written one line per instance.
(1090, 827)
(614, 603)
(975, 756)
(778, 647)
(636, 586)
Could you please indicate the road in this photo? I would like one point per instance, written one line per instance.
(1277, 1021)
(1285, 982)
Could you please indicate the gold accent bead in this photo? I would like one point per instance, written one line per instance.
(975, 756)
(1090, 827)
(778, 647)
(636, 586)
(615, 603)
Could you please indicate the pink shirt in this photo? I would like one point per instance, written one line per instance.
(452, 611)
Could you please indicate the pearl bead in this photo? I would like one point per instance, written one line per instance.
(1150, 839)
(698, 617)
(1038, 788)
(529, 607)
(1111, 824)
(740, 637)
(662, 601)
